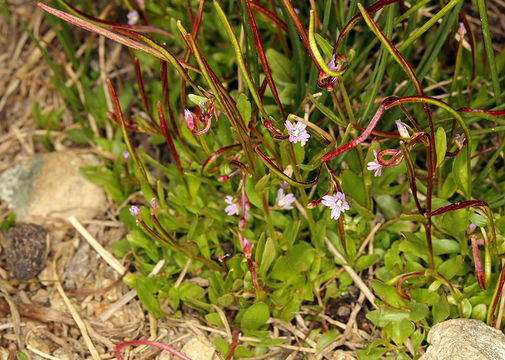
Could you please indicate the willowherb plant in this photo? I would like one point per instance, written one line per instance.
(251, 125)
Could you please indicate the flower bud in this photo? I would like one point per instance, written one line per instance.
(189, 119)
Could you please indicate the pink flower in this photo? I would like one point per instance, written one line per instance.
(133, 17)
(402, 130)
(134, 211)
(232, 207)
(284, 201)
(336, 203)
(331, 64)
(297, 132)
(374, 165)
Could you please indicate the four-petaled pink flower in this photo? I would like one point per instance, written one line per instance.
(284, 201)
(297, 132)
(374, 165)
(133, 17)
(336, 203)
(404, 133)
(233, 207)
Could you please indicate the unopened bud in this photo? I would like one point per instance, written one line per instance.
(189, 119)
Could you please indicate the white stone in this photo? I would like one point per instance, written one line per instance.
(464, 339)
(50, 186)
(197, 350)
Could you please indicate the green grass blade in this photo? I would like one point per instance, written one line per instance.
(489, 50)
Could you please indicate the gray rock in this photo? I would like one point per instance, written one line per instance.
(50, 186)
(464, 339)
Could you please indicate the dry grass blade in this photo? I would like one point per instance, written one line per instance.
(111, 260)
(355, 277)
(75, 315)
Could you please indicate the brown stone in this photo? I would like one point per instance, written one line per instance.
(26, 250)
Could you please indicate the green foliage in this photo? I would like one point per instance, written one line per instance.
(209, 151)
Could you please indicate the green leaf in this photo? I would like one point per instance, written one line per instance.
(460, 171)
(388, 205)
(214, 319)
(402, 331)
(326, 338)
(330, 114)
(382, 316)
(449, 187)
(451, 267)
(280, 65)
(222, 346)
(479, 312)
(255, 316)
(440, 145)
(146, 289)
(308, 167)
(269, 255)
(253, 196)
(440, 310)
(445, 246)
(352, 185)
(388, 294)
(301, 256)
(22, 356)
(365, 261)
(244, 107)
(324, 45)
(262, 183)
(418, 311)
(282, 270)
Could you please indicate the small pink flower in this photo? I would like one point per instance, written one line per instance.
(331, 64)
(153, 204)
(402, 129)
(232, 207)
(133, 17)
(134, 211)
(284, 201)
(126, 155)
(374, 165)
(336, 203)
(297, 132)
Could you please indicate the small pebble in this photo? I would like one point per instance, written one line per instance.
(26, 250)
